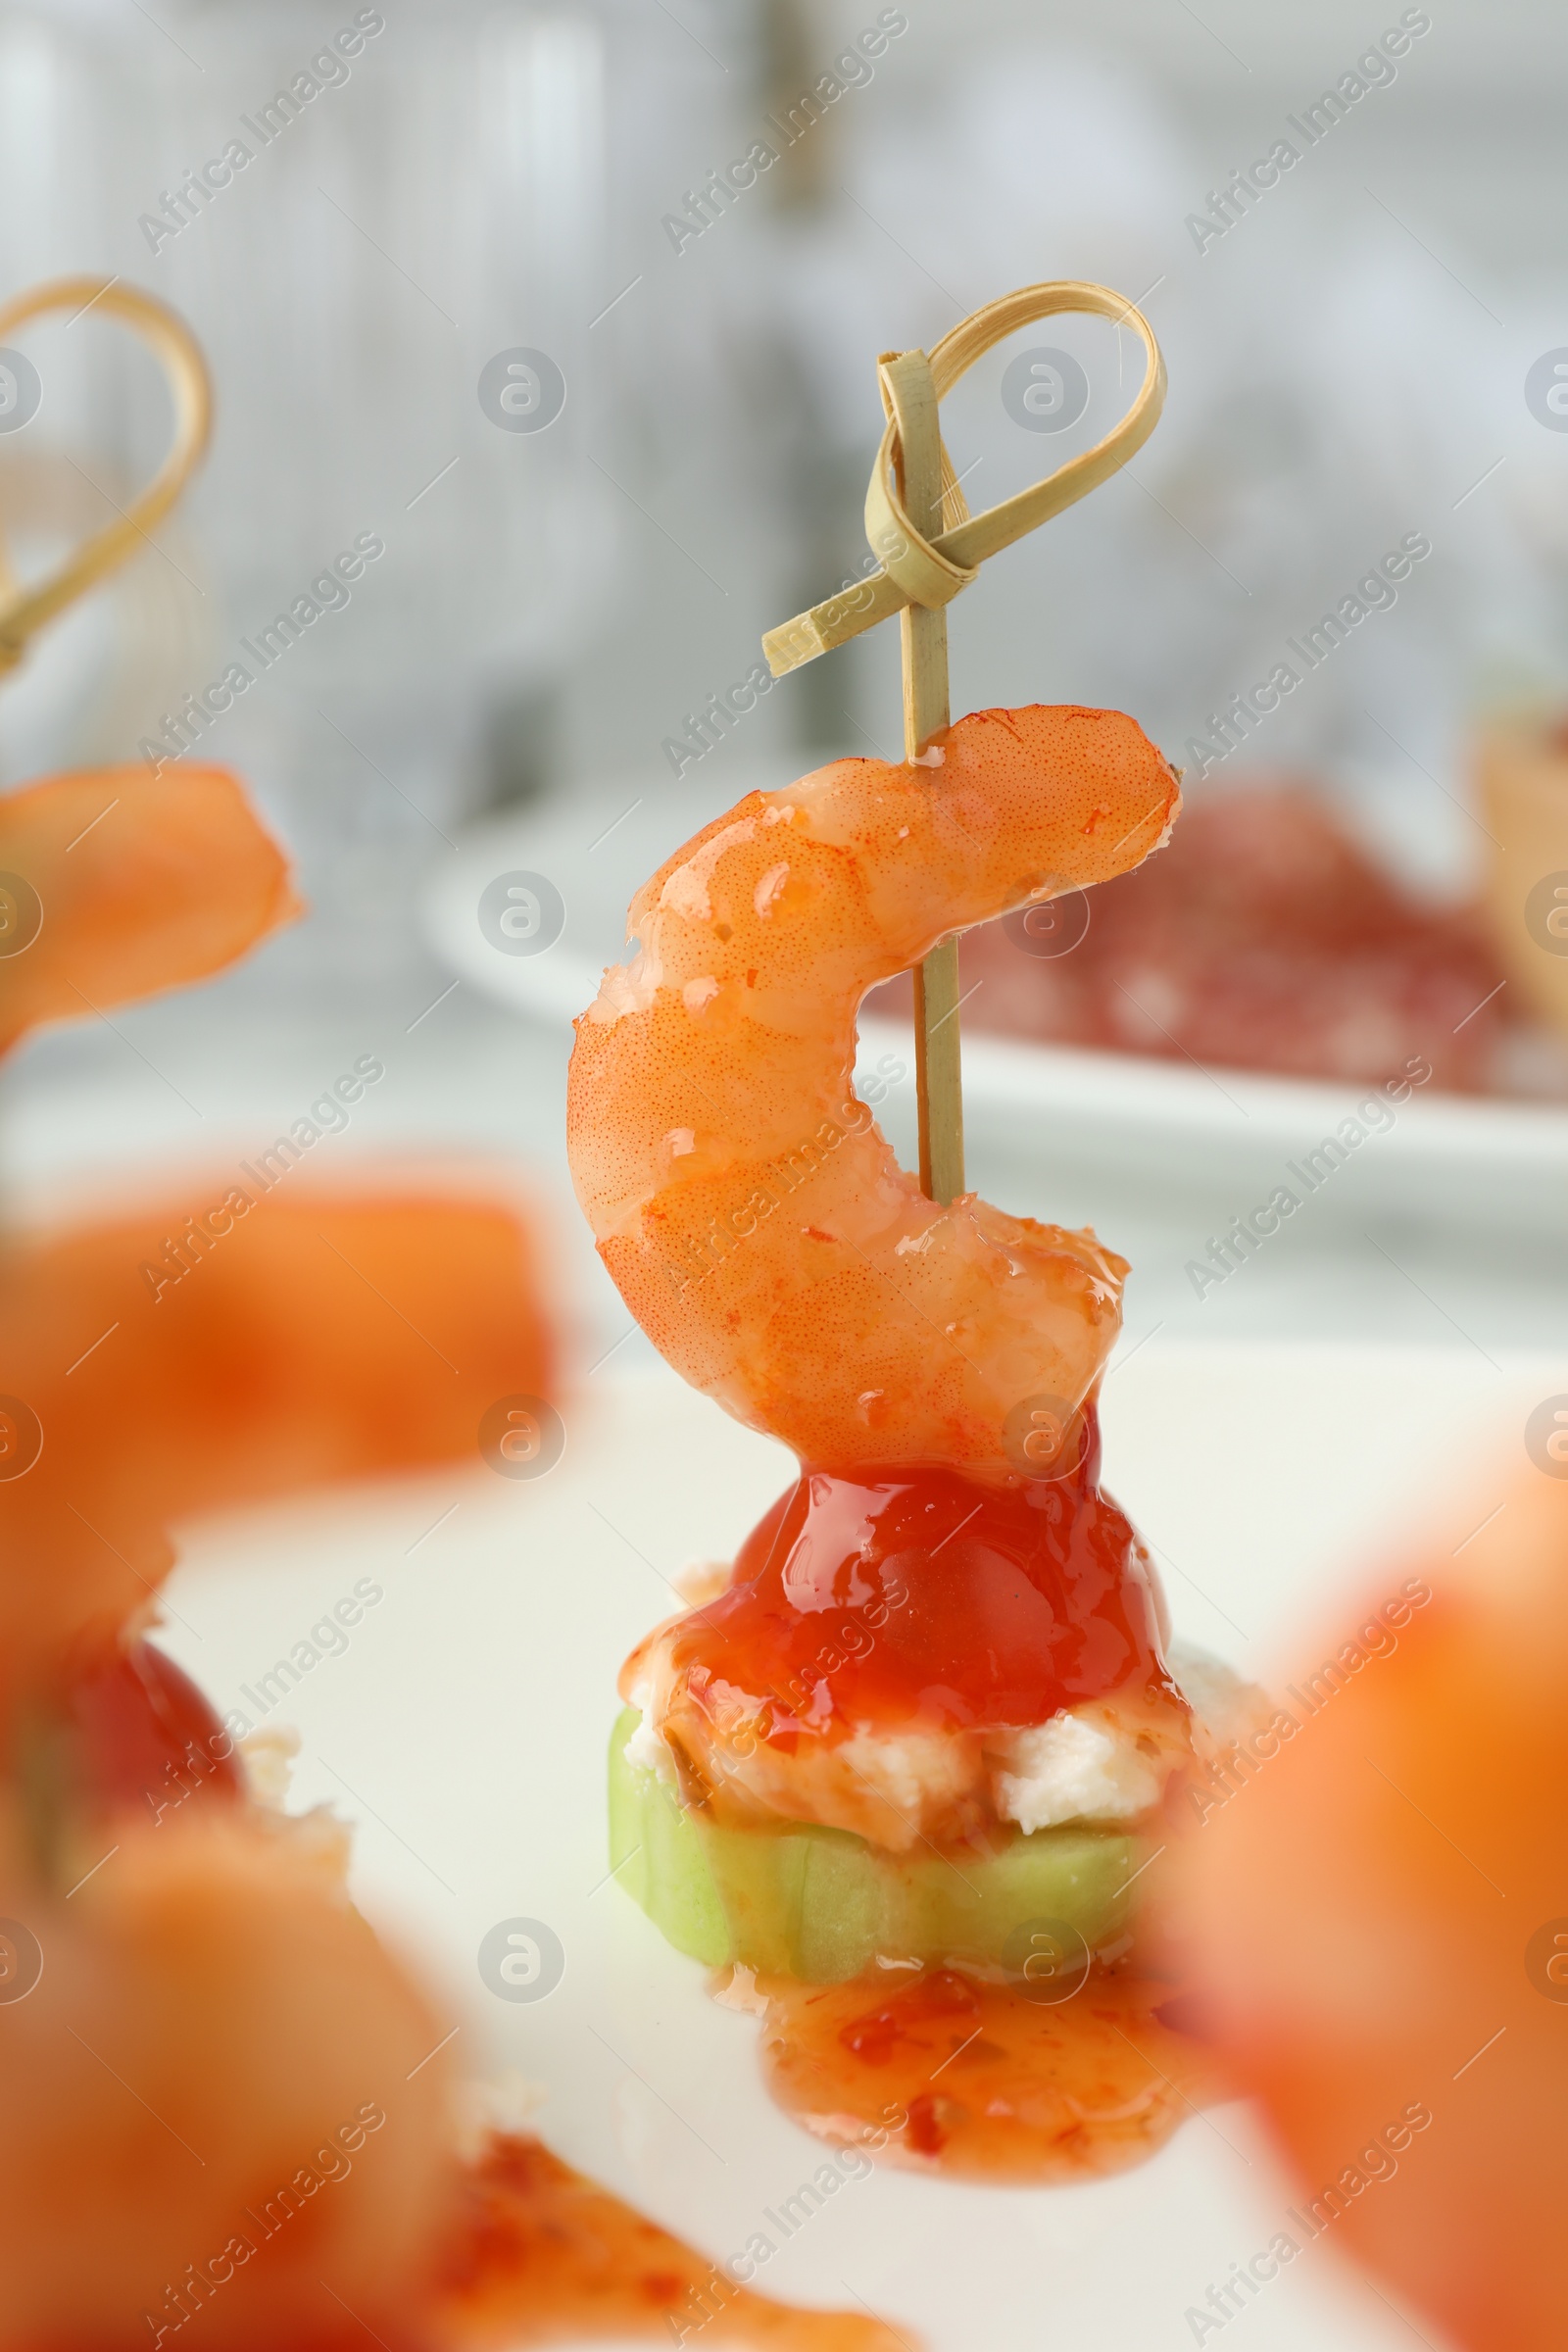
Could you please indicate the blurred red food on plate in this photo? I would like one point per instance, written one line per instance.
(1262, 937)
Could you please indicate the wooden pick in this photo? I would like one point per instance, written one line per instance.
(920, 572)
(908, 391)
(24, 610)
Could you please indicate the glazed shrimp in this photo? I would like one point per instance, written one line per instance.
(749, 1210)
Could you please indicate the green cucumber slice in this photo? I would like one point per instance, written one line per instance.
(823, 1905)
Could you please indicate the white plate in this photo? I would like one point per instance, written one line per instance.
(464, 1730)
(1224, 1138)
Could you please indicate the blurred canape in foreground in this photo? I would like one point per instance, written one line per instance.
(1380, 1908)
(228, 2108)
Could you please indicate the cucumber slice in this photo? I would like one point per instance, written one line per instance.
(823, 1905)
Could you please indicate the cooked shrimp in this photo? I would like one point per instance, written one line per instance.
(251, 1342)
(314, 1336)
(1379, 1915)
(752, 1216)
(115, 884)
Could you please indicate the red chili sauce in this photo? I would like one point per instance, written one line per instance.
(914, 1594)
(144, 1735)
(542, 2256)
(982, 2082)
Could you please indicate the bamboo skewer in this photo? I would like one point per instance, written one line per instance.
(912, 486)
(910, 389)
(23, 611)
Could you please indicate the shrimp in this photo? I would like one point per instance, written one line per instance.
(250, 1342)
(751, 1212)
(115, 884)
(1378, 1917)
(309, 1337)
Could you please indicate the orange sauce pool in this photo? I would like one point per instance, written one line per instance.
(982, 2082)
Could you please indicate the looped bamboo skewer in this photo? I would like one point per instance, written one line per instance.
(23, 611)
(918, 576)
(956, 552)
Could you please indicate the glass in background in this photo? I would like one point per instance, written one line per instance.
(400, 575)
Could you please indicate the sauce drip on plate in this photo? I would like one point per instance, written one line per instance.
(542, 2256)
(991, 2083)
(915, 1593)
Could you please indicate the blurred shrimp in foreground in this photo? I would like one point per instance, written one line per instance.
(326, 1336)
(1382, 1913)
